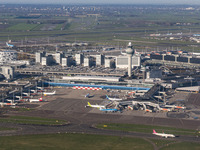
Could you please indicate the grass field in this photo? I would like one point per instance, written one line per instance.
(146, 128)
(6, 128)
(32, 120)
(86, 142)
(22, 27)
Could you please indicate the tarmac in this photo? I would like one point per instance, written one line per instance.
(69, 104)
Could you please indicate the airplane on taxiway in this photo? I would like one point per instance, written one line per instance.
(163, 134)
(95, 106)
(36, 100)
(49, 93)
(109, 110)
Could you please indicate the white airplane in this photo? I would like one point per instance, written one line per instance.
(9, 45)
(7, 103)
(27, 94)
(36, 100)
(49, 93)
(95, 106)
(163, 134)
(113, 99)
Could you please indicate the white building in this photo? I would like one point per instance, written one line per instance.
(122, 61)
(67, 61)
(47, 60)
(109, 63)
(38, 56)
(79, 59)
(100, 60)
(7, 71)
(88, 62)
(58, 57)
(7, 55)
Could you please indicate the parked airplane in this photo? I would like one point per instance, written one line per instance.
(163, 134)
(49, 93)
(23, 97)
(113, 99)
(8, 103)
(174, 106)
(36, 100)
(164, 109)
(9, 45)
(27, 94)
(95, 106)
(109, 110)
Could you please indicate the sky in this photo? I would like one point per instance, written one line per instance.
(190, 2)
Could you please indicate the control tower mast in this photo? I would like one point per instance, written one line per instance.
(130, 52)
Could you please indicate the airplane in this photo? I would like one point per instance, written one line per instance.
(8, 103)
(27, 94)
(95, 106)
(109, 110)
(87, 95)
(113, 99)
(23, 97)
(148, 110)
(36, 100)
(163, 134)
(9, 45)
(174, 106)
(49, 93)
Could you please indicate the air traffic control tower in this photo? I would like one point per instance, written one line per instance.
(130, 52)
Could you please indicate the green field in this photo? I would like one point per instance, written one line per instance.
(22, 27)
(86, 142)
(6, 128)
(146, 128)
(32, 120)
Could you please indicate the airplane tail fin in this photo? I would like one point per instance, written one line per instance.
(40, 99)
(89, 104)
(107, 97)
(154, 131)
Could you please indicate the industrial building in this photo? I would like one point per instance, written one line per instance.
(7, 55)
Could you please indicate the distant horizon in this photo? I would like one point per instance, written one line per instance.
(103, 2)
(159, 4)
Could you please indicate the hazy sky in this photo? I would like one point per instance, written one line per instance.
(101, 1)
